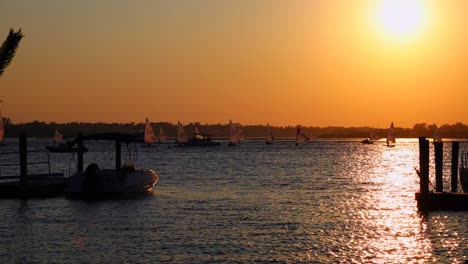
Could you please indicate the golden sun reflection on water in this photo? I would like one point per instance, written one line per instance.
(396, 229)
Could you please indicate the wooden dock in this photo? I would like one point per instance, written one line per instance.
(438, 199)
(30, 185)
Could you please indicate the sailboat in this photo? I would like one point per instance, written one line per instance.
(150, 138)
(233, 134)
(59, 145)
(58, 137)
(162, 136)
(2, 130)
(301, 137)
(437, 137)
(268, 135)
(391, 136)
(181, 137)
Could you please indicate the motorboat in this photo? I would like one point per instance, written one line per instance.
(124, 180)
(201, 140)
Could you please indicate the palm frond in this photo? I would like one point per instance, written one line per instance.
(8, 48)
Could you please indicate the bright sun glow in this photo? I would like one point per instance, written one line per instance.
(401, 19)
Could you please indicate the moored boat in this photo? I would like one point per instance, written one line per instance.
(123, 180)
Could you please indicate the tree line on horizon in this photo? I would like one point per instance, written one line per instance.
(45, 130)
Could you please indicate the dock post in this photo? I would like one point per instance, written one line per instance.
(454, 179)
(23, 148)
(80, 153)
(423, 165)
(118, 154)
(439, 161)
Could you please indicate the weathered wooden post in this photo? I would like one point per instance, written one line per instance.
(80, 152)
(454, 179)
(423, 165)
(23, 148)
(439, 161)
(117, 154)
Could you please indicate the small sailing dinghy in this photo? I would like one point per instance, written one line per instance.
(233, 134)
(437, 137)
(150, 138)
(94, 182)
(268, 135)
(181, 138)
(59, 145)
(391, 140)
(301, 137)
(162, 136)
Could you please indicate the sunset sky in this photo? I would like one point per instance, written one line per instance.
(310, 62)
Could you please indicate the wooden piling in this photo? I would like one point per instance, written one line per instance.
(23, 148)
(454, 179)
(439, 161)
(80, 153)
(423, 165)
(118, 152)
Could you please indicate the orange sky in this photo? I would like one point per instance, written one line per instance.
(315, 63)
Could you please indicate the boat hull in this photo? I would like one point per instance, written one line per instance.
(110, 182)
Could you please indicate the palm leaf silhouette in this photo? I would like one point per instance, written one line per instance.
(8, 48)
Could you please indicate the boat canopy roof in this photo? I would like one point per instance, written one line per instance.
(122, 137)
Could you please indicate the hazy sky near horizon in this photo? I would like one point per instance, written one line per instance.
(315, 63)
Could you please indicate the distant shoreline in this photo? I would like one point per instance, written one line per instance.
(219, 131)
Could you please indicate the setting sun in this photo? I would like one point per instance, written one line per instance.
(401, 19)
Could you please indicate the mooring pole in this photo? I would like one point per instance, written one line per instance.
(454, 179)
(23, 147)
(117, 154)
(439, 161)
(80, 153)
(423, 165)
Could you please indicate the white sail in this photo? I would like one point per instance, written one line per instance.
(437, 137)
(391, 134)
(301, 136)
(58, 137)
(2, 129)
(162, 135)
(150, 137)
(232, 133)
(269, 134)
(181, 137)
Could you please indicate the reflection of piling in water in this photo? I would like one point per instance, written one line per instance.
(438, 200)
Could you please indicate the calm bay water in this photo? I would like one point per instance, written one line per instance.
(328, 201)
